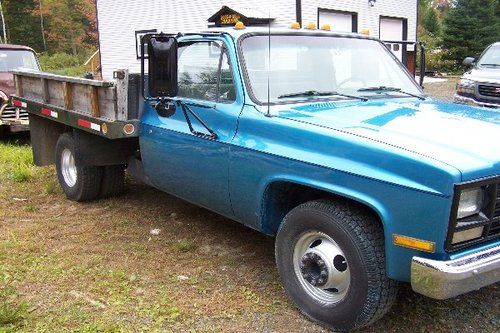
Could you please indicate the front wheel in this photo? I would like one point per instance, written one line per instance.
(79, 183)
(331, 260)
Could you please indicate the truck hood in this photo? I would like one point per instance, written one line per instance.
(483, 74)
(467, 138)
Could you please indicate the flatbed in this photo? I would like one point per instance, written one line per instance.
(97, 107)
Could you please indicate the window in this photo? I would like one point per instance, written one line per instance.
(204, 72)
(17, 59)
(227, 93)
(315, 63)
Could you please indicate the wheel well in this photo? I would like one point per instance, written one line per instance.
(282, 196)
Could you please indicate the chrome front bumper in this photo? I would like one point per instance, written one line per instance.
(445, 279)
(471, 101)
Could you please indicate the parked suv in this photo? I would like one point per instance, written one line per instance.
(481, 84)
(13, 57)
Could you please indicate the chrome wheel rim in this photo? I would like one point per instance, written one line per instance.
(68, 167)
(321, 267)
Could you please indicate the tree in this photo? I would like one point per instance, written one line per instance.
(470, 26)
(431, 22)
(70, 25)
(423, 8)
(22, 26)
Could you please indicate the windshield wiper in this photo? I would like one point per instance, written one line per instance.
(492, 65)
(308, 93)
(391, 89)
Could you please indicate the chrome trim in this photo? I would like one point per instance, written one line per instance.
(445, 279)
(471, 101)
(317, 268)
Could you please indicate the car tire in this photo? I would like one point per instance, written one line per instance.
(79, 183)
(358, 291)
(113, 181)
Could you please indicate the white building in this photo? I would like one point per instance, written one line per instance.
(122, 22)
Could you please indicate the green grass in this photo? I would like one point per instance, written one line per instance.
(13, 311)
(16, 161)
(185, 246)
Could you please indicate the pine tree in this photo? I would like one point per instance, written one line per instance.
(22, 26)
(431, 22)
(469, 27)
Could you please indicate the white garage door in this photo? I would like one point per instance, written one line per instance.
(391, 29)
(338, 21)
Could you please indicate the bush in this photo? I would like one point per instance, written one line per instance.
(63, 64)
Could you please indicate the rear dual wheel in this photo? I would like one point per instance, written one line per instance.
(85, 183)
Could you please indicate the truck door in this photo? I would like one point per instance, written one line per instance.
(183, 161)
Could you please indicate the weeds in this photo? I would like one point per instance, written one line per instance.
(21, 174)
(16, 161)
(13, 312)
(50, 188)
(185, 246)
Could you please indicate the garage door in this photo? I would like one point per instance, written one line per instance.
(338, 21)
(392, 29)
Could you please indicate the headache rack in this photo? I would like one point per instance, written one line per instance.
(109, 109)
(489, 216)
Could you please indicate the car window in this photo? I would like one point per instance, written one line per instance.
(227, 92)
(204, 72)
(17, 59)
(491, 57)
(198, 65)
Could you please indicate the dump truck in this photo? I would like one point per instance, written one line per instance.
(322, 140)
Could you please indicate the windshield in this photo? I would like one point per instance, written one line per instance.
(316, 66)
(17, 59)
(491, 57)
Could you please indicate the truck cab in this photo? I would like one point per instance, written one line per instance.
(322, 140)
(13, 57)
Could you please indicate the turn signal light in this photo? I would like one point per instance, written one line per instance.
(295, 25)
(365, 32)
(413, 243)
(326, 27)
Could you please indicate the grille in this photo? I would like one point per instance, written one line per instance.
(489, 217)
(495, 225)
(11, 114)
(489, 91)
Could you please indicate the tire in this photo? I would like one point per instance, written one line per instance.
(79, 183)
(113, 181)
(358, 291)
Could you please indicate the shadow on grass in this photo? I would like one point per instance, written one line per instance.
(18, 139)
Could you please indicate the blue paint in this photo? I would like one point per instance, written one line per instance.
(399, 156)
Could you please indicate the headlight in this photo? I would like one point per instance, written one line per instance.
(467, 235)
(475, 211)
(471, 202)
(4, 96)
(466, 87)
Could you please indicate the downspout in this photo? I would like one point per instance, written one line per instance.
(298, 11)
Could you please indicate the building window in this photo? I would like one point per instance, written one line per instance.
(138, 39)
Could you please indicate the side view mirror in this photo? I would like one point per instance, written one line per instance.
(162, 67)
(469, 61)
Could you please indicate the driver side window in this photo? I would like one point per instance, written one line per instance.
(204, 72)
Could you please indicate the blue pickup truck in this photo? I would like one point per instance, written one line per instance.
(319, 139)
